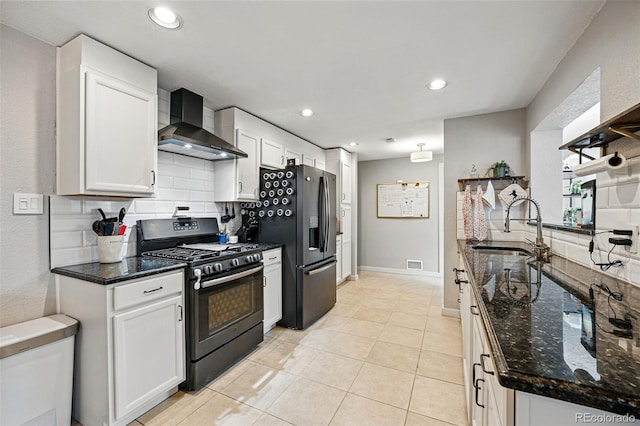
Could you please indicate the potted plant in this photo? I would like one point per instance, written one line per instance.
(501, 169)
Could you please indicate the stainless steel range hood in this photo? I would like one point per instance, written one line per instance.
(185, 134)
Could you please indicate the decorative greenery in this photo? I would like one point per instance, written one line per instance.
(501, 169)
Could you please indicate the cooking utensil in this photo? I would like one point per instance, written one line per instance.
(98, 227)
(121, 214)
(233, 211)
(122, 230)
(108, 228)
(104, 217)
(226, 218)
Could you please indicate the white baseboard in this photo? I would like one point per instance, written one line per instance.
(448, 312)
(401, 271)
(353, 277)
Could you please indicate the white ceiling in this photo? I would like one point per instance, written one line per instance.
(361, 66)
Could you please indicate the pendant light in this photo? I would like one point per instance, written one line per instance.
(421, 156)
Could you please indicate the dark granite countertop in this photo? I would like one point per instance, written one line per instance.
(129, 268)
(132, 268)
(551, 335)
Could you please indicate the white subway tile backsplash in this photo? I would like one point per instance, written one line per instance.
(66, 239)
(201, 196)
(191, 162)
(189, 184)
(71, 256)
(625, 196)
(165, 157)
(165, 181)
(154, 206)
(64, 205)
(202, 174)
(173, 170)
(602, 198)
(173, 194)
(61, 223)
(211, 208)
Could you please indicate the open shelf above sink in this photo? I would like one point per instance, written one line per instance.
(622, 125)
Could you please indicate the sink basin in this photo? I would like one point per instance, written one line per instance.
(502, 250)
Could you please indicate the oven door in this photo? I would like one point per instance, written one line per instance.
(224, 308)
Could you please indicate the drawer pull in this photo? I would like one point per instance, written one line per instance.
(477, 386)
(273, 258)
(179, 313)
(152, 291)
(471, 308)
(482, 357)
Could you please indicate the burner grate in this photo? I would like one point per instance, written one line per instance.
(181, 253)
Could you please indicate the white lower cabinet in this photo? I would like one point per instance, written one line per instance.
(130, 350)
(272, 260)
(338, 259)
(148, 352)
(346, 258)
(488, 403)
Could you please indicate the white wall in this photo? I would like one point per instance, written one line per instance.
(611, 44)
(27, 159)
(389, 243)
(481, 140)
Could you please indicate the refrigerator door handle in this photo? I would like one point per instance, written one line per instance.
(328, 215)
(323, 210)
(319, 270)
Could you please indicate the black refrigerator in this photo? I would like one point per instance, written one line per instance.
(297, 208)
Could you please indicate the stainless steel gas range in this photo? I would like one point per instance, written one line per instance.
(223, 291)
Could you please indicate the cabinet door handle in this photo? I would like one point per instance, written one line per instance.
(152, 291)
(153, 177)
(473, 376)
(471, 308)
(179, 313)
(343, 213)
(477, 386)
(344, 196)
(482, 357)
(239, 187)
(264, 281)
(282, 160)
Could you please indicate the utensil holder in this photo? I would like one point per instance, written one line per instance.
(110, 248)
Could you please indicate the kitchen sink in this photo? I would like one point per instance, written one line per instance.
(502, 250)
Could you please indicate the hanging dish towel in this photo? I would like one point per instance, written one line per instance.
(467, 213)
(512, 192)
(489, 197)
(479, 221)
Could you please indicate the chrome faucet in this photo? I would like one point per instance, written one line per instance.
(540, 249)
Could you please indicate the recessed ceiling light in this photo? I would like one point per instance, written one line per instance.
(165, 18)
(353, 144)
(306, 112)
(437, 84)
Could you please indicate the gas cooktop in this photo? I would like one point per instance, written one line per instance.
(198, 252)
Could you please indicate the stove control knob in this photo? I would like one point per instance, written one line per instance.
(250, 258)
(257, 257)
(217, 267)
(235, 262)
(208, 269)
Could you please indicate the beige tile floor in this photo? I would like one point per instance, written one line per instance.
(383, 355)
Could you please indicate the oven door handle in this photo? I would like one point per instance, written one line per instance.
(223, 280)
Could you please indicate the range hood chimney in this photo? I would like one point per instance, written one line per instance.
(185, 134)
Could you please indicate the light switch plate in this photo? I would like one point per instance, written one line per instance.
(28, 203)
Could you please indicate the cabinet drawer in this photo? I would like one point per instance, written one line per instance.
(270, 257)
(147, 290)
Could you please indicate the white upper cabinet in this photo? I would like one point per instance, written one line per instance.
(106, 122)
(345, 179)
(247, 168)
(271, 154)
(291, 154)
